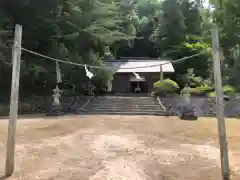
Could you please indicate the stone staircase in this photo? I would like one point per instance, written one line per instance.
(123, 105)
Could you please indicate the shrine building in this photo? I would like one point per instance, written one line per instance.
(149, 70)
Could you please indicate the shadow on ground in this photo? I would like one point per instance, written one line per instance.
(3, 177)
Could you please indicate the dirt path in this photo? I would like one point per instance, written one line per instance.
(120, 148)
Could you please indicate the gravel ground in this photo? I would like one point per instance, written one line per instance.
(120, 148)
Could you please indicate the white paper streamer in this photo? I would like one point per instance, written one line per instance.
(137, 76)
(88, 73)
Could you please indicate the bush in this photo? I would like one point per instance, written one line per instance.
(205, 89)
(166, 83)
(229, 90)
(192, 91)
(202, 90)
(100, 82)
(212, 94)
(237, 95)
(167, 86)
(192, 80)
(4, 110)
(195, 81)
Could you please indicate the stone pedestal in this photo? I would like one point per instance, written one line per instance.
(55, 110)
(188, 113)
(188, 117)
(75, 108)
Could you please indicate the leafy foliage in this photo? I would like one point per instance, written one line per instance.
(84, 31)
(72, 30)
(201, 90)
(166, 86)
(226, 15)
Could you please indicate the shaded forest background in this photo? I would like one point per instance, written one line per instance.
(91, 31)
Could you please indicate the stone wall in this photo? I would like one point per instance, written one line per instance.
(202, 106)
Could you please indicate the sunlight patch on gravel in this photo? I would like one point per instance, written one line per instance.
(109, 143)
(213, 153)
(124, 168)
(120, 169)
(53, 152)
(116, 148)
(167, 156)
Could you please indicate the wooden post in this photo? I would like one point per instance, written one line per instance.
(16, 58)
(220, 106)
(161, 73)
(90, 87)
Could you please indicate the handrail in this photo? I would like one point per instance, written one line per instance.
(161, 104)
(87, 102)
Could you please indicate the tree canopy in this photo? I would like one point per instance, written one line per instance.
(91, 31)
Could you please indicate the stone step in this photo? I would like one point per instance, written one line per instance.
(122, 102)
(112, 100)
(123, 97)
(122, 109)
(126, 113)
(119, 104)
(123, 105)
(127, 99)
(113, 106)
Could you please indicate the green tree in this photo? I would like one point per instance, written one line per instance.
(73, 30)
(226, 15)
(170, 32)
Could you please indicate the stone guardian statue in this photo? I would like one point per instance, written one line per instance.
(56, 96)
